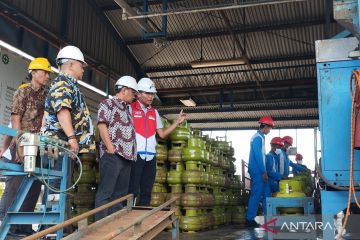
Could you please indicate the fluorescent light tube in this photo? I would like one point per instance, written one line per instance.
(217, 63)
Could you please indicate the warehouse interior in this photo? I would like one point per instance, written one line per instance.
(225, 63)
(277, 39)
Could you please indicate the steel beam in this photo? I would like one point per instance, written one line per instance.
(243, 107)
(251, 119)
(116, 37)
(222, 32)
(111, 6)
(242, 85)
(282, 126)
(275, 59)
(234, 71)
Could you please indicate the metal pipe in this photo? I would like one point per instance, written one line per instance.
(129, 12)
(206, 9)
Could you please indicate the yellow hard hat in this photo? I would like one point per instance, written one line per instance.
(40, 64)
(24, 85)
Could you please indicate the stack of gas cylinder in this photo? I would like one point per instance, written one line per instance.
(85, 190)
(200, 171)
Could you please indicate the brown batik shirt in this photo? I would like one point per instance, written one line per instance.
(29, 105)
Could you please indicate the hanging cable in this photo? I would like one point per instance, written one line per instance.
(355, 104)
(42, 179)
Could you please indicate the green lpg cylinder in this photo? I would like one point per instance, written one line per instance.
(175, 153)
(159, 188)
(238, 215)
(290, 188)
(191, 222)
(287, 186)
(175, 173)
(161, 173)
(174, 195)
(193, 154)
(192, 197)
(206, 175)
(157, 198)
(87, 176)
(192, 177)
(306, 182)
(195, 150)
(87, 158)
(223, 146)
(181, 132)
(84, 199)
(161, 152)
(226, 163)
(208, 170)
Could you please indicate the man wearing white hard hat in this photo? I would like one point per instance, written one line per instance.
(147, 123)
(66, 114)
(117, 146)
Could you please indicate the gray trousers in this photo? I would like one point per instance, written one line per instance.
(113, 184)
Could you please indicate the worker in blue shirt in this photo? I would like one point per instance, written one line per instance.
(285, 162)
(257, 171)
(272, 165)
(298, 159)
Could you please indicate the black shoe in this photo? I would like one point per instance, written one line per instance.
(252, 224)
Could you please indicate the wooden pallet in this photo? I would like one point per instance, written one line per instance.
(128, 223)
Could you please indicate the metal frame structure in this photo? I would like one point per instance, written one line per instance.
(14, 215)
(334, 69)
(219, 30)
(274, 203)
(118, 229)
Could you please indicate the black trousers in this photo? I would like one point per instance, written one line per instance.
(113, 184)
(142, 179)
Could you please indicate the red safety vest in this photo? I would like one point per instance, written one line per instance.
(145, 129)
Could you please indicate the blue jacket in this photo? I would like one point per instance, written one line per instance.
(298, 168)
(272, 169)
(283, 163)
(257, 154)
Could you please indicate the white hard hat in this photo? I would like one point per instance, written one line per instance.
(127, 81)
(146, 85)
(70, 52)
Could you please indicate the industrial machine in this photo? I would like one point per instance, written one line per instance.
(337, 59)
(48, 151)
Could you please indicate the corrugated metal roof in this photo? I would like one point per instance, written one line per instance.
(278, 40)
(84, 28)
(253, 125)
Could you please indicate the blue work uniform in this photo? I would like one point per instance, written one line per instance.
(285, 164)
(272, 169)
(298, 168)
(256, 169)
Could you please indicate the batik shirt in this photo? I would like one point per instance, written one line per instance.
(115, 114)
(64, 92)
(29, 105)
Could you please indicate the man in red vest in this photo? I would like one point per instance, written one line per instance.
(147, 123)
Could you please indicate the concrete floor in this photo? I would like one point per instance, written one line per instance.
(228, 232)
